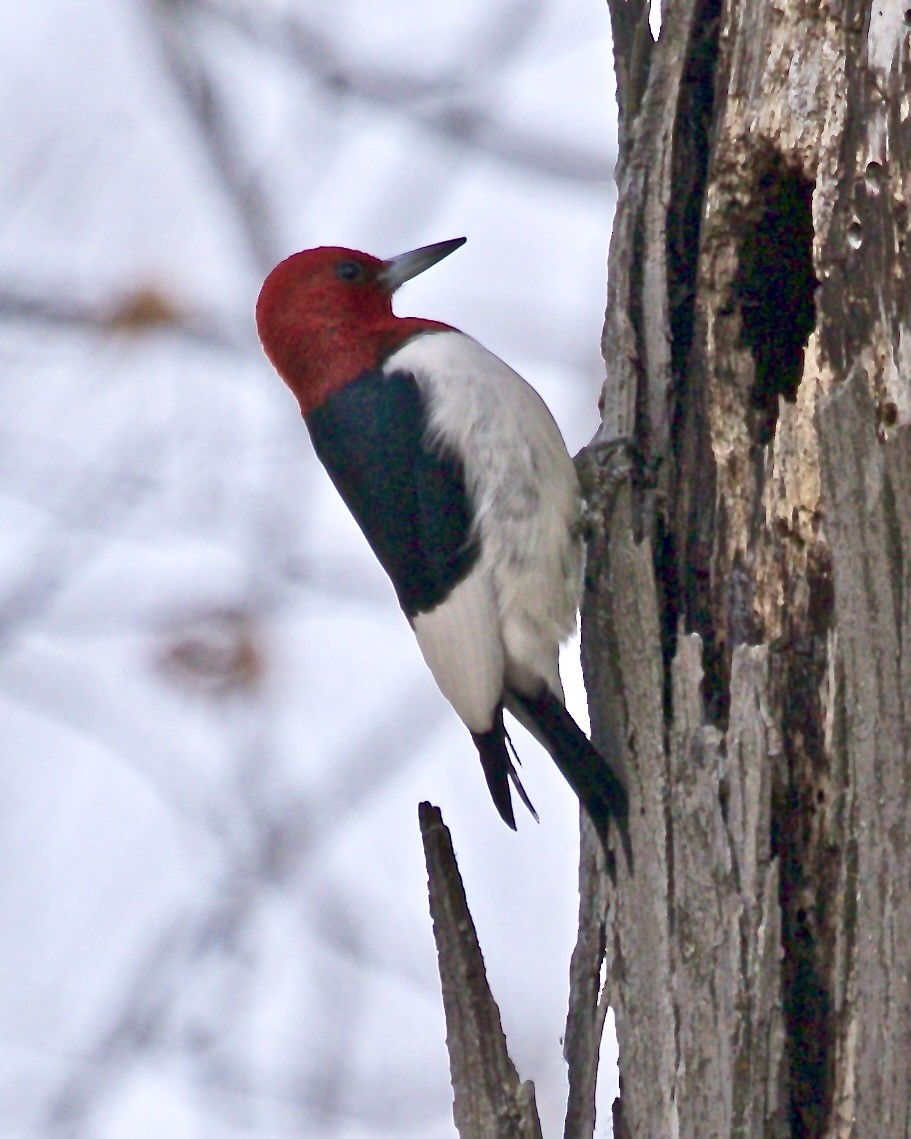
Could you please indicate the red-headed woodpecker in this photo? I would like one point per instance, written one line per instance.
(457, 474)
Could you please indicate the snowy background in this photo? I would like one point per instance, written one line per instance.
(215, 726)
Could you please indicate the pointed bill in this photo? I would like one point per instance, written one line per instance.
(397, 270)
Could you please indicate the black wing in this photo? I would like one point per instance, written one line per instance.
(408, 499)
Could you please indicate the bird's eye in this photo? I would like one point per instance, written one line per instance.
(349, 271)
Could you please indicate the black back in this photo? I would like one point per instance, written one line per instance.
(408, 498)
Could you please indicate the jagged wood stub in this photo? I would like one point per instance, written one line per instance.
(489, 1100)
(746, 618)
(587, 995)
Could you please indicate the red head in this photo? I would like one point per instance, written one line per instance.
(325, 315)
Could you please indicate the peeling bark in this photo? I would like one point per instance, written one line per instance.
(746, 632)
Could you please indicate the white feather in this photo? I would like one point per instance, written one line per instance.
(461, 645)
(523, 490)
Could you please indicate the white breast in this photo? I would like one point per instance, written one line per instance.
(523, 490)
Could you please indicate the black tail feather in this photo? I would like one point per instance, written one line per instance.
(514, 775)
(596, 784)
(494, 747)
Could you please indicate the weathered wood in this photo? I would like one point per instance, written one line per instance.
(587, 994)
(863, 480)
(622, 659)
(489, 1100)
(746, 622)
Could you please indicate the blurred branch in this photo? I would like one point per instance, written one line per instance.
(142, 310)
(494, 45)
(489, 1101)
(437, 105)
(91, 507)
(203, 946)
(200, 95)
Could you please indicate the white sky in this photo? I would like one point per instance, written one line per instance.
(213, 910)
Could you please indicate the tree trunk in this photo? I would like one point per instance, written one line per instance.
(747, 619)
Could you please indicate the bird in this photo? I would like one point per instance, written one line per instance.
(457, 474)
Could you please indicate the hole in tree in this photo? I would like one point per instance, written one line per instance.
(873, 177)
(774, 288)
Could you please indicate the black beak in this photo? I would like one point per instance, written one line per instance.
(397, 270)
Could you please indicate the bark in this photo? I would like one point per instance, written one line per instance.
(489, 1101)
(747, 618)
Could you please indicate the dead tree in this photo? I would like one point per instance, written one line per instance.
(747, 620)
